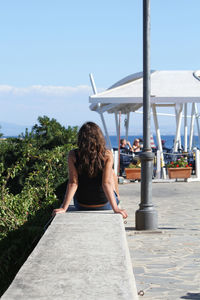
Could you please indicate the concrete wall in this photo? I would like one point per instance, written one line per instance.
(82, 255)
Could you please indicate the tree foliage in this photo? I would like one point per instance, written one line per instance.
(1, 134)
(33, 167)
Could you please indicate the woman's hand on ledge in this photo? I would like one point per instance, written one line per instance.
(122, 212)
(58, 211)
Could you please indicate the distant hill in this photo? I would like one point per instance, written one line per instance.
(11, 129)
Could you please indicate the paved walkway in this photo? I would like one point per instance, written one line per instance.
(166, 262)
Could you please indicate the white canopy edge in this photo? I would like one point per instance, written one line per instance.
(167, 87)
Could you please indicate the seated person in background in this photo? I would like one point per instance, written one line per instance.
(136, 145)
(164, 146)
(141, 143)
(126, 155)
(125, 145)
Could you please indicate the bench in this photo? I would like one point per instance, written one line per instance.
(81, 256)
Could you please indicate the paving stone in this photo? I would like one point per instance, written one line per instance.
(167, 265)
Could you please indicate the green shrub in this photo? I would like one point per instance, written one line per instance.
(33, 175)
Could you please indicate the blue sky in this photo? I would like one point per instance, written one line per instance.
(48, 48)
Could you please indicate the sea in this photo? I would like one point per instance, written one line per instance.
(169, 140)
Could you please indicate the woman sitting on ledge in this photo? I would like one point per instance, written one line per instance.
(92, 181)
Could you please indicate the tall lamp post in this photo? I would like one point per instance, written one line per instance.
(146, 215)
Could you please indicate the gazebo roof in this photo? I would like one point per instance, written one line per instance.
(167, 88)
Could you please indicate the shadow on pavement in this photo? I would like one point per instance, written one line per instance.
(191, 296)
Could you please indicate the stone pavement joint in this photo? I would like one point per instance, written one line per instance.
(134, 231)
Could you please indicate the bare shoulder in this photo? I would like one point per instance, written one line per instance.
(72, 155)
(108, 155)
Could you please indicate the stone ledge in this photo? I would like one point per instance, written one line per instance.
(81, 256)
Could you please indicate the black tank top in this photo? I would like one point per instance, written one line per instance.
(90, 191)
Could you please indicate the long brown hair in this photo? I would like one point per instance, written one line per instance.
(91, 149)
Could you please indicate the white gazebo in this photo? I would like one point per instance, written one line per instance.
(168, 89)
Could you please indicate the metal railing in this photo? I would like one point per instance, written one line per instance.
(160, 161)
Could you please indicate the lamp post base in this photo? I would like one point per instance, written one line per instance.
(146, 216)
(146, 219)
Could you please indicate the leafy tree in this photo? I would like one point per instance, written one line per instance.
(1, 134)
(32, 167)
(33, 174)
(49, 133)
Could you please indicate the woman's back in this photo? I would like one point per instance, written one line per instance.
(91, 178)
(90, 191)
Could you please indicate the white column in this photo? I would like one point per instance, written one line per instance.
(116, 161)
(117, 126)
(179, 110)
(158, 164)
(197, 163)
(105, 130)
(197, 120)
(99, 111)
(179, 133)
(176, 114)
(185, 127)
(158, 138)
(127, 125)
(192, 126)
(93, 84)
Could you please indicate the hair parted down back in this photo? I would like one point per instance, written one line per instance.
(92, 148)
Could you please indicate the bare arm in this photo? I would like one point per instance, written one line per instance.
(107, 184)
(129, 144)
(116, 188)
(71, 187)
